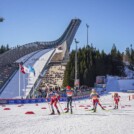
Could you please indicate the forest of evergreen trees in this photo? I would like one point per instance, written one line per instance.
(92, 63)
(4, 48)
(130, 54)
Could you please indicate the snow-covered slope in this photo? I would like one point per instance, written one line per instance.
(126, 84)
(38, 61)
(121, 121)
(129, 73)
(112, 84)
(119, 84)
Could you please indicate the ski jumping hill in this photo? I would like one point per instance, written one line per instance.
(38, 55)
(26, 81)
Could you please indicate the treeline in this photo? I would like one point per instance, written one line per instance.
(4, 48)
(130, 54)
(92, 63)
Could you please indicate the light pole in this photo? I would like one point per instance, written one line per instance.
(87, 32)
(76, 71)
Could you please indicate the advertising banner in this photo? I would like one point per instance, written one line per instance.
(3, 101)
(77, 83)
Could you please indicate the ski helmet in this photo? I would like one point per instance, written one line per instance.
(68, 87)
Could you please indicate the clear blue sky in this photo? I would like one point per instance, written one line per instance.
(110, 21)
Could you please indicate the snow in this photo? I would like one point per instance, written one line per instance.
(120, 121)
(128, 72)
(112, 84)
(115, 83)
(126, 84)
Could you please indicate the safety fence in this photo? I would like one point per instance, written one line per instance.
(39, 100)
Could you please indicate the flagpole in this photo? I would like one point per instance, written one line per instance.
(26, 80)
(24, 84)
(33, 90)
(19, 81)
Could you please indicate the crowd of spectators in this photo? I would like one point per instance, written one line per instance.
(53, 79)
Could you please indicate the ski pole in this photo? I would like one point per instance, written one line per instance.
(48, 105)
(113, 103)
(120, 104)
(75, 105)
(60, 107)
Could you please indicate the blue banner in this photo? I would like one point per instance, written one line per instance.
(40, 100)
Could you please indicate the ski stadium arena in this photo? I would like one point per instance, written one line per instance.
(42, 56)
(49, 60)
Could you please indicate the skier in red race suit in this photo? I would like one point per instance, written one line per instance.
(116, 98)
(54, 97)
(95, 98)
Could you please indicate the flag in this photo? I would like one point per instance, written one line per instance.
(31, 69)
(23, 69)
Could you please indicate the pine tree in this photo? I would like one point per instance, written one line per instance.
(91, 63)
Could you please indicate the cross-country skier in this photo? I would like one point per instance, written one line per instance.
(54, 97)
(69, 94)
(95, 99)
(116, 98)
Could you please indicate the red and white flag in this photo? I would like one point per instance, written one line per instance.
(23, 69)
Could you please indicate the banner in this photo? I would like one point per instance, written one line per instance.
(3, 101)
(77, 83)
(40, 100)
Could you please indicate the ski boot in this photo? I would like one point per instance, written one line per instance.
(116, 107)
(67, 110)
(94, 110)
(52, 112)
(58, 111)
(71, 111)
(103, 108)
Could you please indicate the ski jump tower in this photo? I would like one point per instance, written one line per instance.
(9, 58)
(23, 50)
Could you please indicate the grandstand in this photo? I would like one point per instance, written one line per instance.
(9, 61)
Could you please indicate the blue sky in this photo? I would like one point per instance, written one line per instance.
(110, 21)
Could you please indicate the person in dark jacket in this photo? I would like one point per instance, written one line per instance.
(69, 94)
